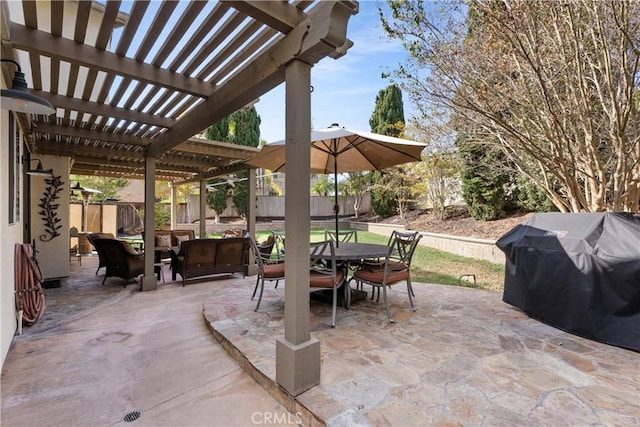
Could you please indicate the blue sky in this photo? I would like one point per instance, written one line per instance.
(344, 89)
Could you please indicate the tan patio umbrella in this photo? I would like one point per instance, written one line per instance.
(339, 150)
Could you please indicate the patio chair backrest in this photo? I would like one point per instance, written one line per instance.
(408, 235)
(260, 258)
(114, 251)
(93, 236)
(278, 236)
(341, 235)
(319, 262)
(266, 247)
(400, 255)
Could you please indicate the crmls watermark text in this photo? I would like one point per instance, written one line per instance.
(276, 418)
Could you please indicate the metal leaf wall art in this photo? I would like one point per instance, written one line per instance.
(49, 214)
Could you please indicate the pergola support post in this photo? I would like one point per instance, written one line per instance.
(174, 206)
(149, 281)
(297, 354)
(251, 217)
(203, 209)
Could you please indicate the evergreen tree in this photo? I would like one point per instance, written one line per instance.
(218, 131)
(387, 119)
(217, 199)
(483, 186)
(388, 113)
(382, 201)
(242, 127)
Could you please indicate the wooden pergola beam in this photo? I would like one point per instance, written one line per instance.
(280, 16)
(320, 35)
(89, 107)
(91, 134)
(41, 43)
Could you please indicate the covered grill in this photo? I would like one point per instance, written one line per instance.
(577, 272)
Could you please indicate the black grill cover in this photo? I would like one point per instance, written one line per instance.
(577, 272)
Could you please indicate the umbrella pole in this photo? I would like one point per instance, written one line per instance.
(336, 207)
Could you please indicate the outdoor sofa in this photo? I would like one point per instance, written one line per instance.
(205, 257)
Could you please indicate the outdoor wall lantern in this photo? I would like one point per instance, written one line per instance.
(18, 98)
(39, 170)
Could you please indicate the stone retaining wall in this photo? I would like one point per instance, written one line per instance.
(465, 246)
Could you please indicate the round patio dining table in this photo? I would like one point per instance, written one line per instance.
(348, 251)
(345, 253)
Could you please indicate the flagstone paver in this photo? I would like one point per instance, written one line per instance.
(462, 358)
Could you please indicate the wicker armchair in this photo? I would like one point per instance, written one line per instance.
(120, 259)
(91, 238)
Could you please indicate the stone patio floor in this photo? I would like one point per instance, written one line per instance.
(462, 358)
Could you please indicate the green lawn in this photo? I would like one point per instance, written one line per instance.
(434, 266)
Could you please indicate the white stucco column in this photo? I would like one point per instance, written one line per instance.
(251, 216)
(53, 254)
(203, 209)
(174, 206)
(149, 281)
(297, 354)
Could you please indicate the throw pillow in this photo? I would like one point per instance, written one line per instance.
(163, 241)
(182, 238)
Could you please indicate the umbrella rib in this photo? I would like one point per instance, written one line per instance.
(351, 145)
(322, 146)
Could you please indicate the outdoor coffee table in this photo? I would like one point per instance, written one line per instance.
(347, 253)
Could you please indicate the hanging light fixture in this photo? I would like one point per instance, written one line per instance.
(18, 98)
(77, 187)
(39, 170)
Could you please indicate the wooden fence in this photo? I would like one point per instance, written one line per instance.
(130, 215)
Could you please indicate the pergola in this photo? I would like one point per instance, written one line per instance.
(132, 89)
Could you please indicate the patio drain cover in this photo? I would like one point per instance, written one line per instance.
(131, 416)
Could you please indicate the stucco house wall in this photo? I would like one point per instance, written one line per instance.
(10, 234)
